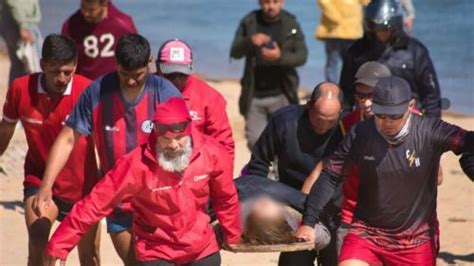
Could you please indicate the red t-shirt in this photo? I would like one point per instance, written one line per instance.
(43, 118)
(96, 42)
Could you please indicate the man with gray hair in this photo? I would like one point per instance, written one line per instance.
(301, 136)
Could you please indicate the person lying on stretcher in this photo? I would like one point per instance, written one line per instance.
(271, 212)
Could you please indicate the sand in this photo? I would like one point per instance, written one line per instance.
(455, 200)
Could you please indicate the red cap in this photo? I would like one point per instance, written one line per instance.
(172, 112)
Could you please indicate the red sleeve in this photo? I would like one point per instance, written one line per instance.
(65, 29)
(217, 125)
(132, 29)
(10, 108)
(81, 82)
(116, 185)
(447, 136)
(224, 198)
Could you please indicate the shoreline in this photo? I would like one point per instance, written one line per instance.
(209, 78)
(454, 197)
(303, 90)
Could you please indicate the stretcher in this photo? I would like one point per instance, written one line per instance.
(248, 248)
(297, 246)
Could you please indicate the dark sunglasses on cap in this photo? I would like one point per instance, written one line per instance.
(175, 128)
(364, 96)
(390, 117)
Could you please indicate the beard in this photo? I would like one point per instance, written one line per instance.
(176, 163)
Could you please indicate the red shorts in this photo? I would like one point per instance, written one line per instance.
(357, 248)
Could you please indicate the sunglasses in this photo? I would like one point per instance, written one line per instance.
(175, 128)
(173, 76)
(390, 117)
(364, 96)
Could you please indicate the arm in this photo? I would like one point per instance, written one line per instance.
(242, 44)
(427, 83)
(57, 159)
(24, 12)
(313, 176)
(224, 198)
(467, 164)
(116, 185)
(294, 51)
(264, 151)
(10, 117)
(6, 133)
(409, 14)
(132, 27)
(217, 125)
(324, 188)
(78, 123)
(347, 80)
(329, 11)
(408, 8)
(331, 147)
(65, 29)
(448, 137)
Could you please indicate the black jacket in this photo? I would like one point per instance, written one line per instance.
(290, 137)
(406, 57)
(293, 53)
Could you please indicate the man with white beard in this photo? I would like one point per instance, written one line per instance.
(170, 180)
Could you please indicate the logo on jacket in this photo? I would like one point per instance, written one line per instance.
(369, 158)
(194, 115)
(31, 120)
(412, 159)
(109, 128)
(200, 177)
(147, 126)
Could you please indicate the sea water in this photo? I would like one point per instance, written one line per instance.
(446, 27)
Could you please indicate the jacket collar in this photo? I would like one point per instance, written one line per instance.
(187, 91)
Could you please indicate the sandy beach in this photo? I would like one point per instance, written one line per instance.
(455, 199)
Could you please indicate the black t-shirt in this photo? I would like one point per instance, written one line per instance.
(398, 184)
(268, 74)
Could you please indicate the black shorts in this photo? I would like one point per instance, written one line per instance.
(63, 207)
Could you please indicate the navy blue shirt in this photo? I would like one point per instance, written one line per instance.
(290, 137)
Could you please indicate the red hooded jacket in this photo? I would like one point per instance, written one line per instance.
(170, 221)
(207, 108)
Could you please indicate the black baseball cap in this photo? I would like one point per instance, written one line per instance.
(391, 96)
(370, 73)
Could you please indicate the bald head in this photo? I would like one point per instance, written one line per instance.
(324, 107)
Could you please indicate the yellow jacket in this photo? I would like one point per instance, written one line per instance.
(340, 19)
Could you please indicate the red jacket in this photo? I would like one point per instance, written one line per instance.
(207, 108)
(170, 221)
